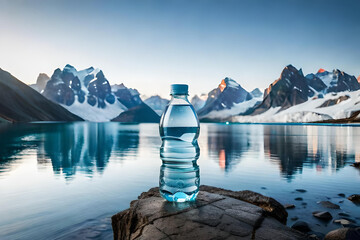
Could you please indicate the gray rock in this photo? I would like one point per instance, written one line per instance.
(268, 204)
(342, 221)
(341, 195)
(329, 204)
(343, 214)
(216, 214)
(354, 198)
(322, 215)
(344, 234)
(356, 164)
(298, 199)
(337, 234)
(289, 206)
(316, 235)
(301, 226)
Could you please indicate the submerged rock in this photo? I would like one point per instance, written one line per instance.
(216, 214)
(322, 215)
(289, 206)
(356, 164)
(344, 214)
(316, 235)
(301, 190)
(355, 198)
(343, 221)
(329, 204)
(301, 226)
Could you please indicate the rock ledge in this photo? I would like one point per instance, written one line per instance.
(216, 214)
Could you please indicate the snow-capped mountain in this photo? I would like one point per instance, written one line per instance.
(316, 97)
(226, 100)
(157, 103)
(20, 103)
(86, 93)
(199, 101)
(330, 106)
(129, 97)
(288, 90)
(335, 81)
(41, 82)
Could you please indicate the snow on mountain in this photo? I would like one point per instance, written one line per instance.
(236, 109)
(199, 101)
(225, 96)
(129, 97)
(86, 93)
(157, 103)
(290, 89)
(331, 106)
(256, 93)
(335, 81)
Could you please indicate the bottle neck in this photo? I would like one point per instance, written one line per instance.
(179, 98)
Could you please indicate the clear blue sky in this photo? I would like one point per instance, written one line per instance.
(150, 44)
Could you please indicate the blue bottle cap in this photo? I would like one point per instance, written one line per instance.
(179, 89)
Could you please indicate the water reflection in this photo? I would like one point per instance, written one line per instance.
(179, 179)
(292, 147)
(87, 147)
(69, 148)
(320, 147)
(227, 144)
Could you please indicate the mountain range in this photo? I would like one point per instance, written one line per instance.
(72, 95)
(21, 103)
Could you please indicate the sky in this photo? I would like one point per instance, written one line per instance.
(151, 44)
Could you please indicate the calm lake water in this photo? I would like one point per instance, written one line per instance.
(62, 180)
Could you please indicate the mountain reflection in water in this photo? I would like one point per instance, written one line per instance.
(87, 147)
(292, 147)
(70, 148)
(55, 176)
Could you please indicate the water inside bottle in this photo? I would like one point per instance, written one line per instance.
(179, 174)
(179, 129)
(179, 122)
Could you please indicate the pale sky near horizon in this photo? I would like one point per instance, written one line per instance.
(151, 44)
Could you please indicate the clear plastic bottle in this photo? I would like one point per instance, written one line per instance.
(179, 129)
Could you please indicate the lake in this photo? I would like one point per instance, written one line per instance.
(62, 180)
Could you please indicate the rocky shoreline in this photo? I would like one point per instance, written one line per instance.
(220, 214)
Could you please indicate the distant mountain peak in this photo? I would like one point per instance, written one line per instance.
(157, 103)
(358, 78)
(228, 82)
(225, 96)
(256, 93)
(321, 70)
(222, 85)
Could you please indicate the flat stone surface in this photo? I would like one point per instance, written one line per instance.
(322, 215)
(329, 204)
(216, 214)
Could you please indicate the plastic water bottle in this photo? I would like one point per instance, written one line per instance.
(179, 129)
